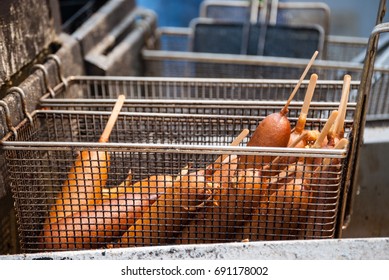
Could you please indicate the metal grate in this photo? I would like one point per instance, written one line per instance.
(338, 48)
(344, 48)
(160, 149)
(191, 95)
(256, 39)
(182, 63)
(165, 63)
(179, 180)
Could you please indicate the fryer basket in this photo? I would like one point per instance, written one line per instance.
(161, 60)
(246, 97)
(177, 157)
(148, 145)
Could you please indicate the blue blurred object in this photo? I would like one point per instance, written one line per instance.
(173, 12)
(256, 39)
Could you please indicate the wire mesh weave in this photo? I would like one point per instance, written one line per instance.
(167, 63)
(159, 149)
(339, 48)
(190, 96)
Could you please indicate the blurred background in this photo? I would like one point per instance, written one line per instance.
(348, 17)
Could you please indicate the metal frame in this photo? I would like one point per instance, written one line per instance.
(275, 7)
(267, 13)
(165, 63)
(187, 95)
(200, 24)
(351, 156)
(364, 97)
(202, 138)
(275, 90)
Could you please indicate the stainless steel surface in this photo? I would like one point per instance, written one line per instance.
(369, 208)
(370, 216)
(365, 94)
(101, 23)
(346, 48)
(118, 52)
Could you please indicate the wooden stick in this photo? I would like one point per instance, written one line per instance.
(284, 110)
(112, 119)
(342, 144)
(309, 93)
(325, 129)
(300, 138)
(87, 176)
(307, 102)
(338, 128)
(236, 142)
(271, 220)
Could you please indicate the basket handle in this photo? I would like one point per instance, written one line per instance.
(8, 118)
(22, 95)
(58, 63)
(357, 131)
(381, 12)
(45, 77)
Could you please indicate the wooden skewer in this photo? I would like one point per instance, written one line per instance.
(342, 144)
(325, 129)
(285, 108)
(236, 142)
(338, 128)
(112, 119)
(300, 138)
(87, 176)
(300, 125)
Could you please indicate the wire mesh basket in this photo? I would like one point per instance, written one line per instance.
(166, 63)
(338, 48)
(158, 150)
(187, 95)
(176, 178)
(281, 40)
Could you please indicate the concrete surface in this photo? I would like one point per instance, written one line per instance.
(334, 249)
